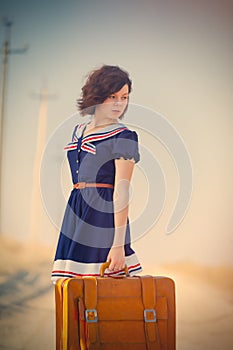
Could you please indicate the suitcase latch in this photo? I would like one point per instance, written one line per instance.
(150, 315)
(91, 315)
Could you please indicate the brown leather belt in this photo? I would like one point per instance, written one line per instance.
(80, 185)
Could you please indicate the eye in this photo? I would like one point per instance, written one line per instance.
(125, 98)
(112, 97)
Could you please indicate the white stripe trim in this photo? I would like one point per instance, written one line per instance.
(70, 146)
(86, 141)
(102, 135)
(89, 149)
(69, 268)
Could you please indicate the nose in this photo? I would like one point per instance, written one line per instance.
(117, 101)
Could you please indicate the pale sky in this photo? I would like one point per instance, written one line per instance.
(179, 55)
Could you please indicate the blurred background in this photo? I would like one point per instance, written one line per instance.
(179, 55)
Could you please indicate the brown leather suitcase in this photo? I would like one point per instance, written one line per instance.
(115, 313)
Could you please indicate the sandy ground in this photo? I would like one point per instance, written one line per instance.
(27, 318)
(204, 298)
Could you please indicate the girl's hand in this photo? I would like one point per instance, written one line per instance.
(116, 256)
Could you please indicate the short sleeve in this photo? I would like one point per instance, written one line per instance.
(125, 146)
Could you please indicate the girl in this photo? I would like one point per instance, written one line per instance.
(101, 155)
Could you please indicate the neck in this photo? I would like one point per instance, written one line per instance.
(103, 121)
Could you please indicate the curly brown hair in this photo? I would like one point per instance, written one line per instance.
(100, 84)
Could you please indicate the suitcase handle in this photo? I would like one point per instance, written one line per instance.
(105, 265)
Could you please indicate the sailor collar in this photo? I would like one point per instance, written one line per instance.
(104, 133)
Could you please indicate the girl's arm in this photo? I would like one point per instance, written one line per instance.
(124, 169)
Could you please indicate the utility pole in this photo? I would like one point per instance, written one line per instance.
(6, 51)
(36, 205)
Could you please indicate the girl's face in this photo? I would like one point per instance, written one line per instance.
(114, 105)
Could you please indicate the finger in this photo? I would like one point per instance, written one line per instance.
(111, 266)
(118, 268)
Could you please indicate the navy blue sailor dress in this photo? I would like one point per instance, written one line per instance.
(87, 230)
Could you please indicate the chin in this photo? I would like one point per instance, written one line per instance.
(115, 117)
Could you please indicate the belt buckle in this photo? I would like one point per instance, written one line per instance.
(81, 185)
